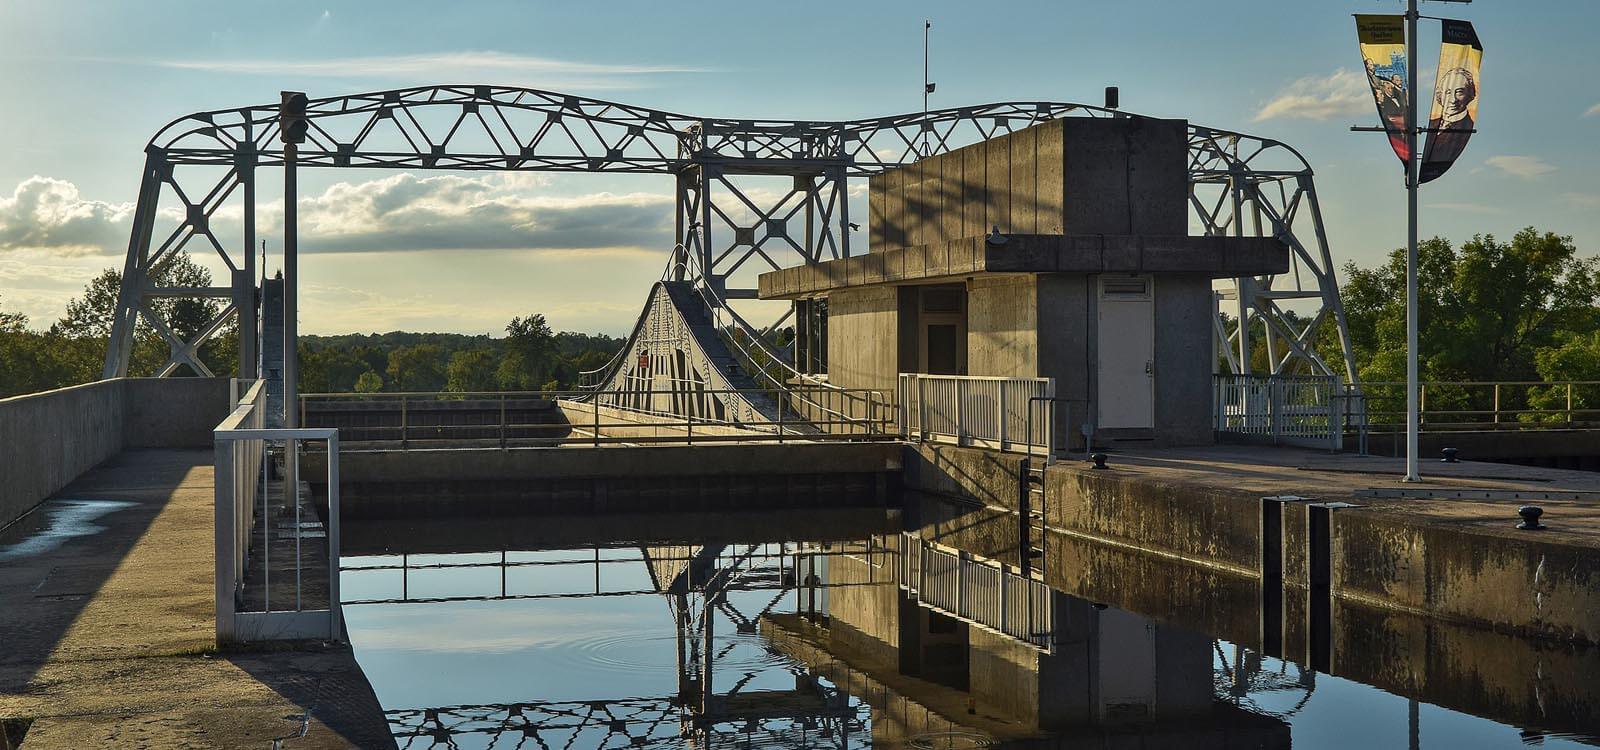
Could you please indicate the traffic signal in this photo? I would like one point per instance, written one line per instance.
(292, 122)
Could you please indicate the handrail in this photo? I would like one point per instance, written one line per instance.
(628, 412)
(1493, 404)
(241, 480)
(990, 412)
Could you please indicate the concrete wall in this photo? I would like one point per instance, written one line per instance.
(1003, 326)
(1184, 360)
(172, 412)
(1066, 176)
(49, 439)
(863, 336)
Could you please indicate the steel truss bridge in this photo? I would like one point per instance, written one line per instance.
(751, 195)
(695, 581)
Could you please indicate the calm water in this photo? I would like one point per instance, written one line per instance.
(822, 644)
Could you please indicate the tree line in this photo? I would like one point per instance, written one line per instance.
(71, 350)
(1489, 309)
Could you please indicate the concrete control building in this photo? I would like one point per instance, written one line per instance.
(1062, 251)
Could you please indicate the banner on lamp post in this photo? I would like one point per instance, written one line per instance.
(1383, 49)
(1455, 98)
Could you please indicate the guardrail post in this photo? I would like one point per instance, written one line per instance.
(1000, 412)
(334, 628)
(596, 433)
(225, 537)
(403, 423)
(961, 414)
(1569, 404)
(502, 421)
(1497, 406)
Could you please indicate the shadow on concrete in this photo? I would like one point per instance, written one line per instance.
(60, 560)
(332, 691)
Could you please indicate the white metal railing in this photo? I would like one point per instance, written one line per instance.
(242, 490)
(1305, 410)
(979, 591)
(1003, 413)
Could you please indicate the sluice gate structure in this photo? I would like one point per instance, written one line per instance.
(1041, 277)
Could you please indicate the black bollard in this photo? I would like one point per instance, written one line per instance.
(1099, 460)
(1530, 517)
(1449, 456)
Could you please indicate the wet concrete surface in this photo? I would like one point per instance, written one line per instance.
(109, 628)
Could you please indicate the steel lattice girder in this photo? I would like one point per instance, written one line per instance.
(517, 129)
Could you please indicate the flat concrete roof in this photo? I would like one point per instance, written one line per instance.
(1215, 257)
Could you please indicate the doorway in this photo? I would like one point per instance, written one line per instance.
(942, 329)
(1127, 337)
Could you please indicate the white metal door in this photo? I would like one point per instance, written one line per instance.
(1127, 341)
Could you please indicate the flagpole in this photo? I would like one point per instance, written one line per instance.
(1413, 417)
(926, 25)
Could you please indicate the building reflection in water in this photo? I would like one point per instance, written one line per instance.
(888, 641)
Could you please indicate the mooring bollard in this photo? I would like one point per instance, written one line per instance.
(1448, 456)
(1099, 460)
(1530, 517)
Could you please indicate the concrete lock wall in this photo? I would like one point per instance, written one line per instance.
(49, 439)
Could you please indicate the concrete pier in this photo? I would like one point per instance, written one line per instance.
(109, 635)
(1457, 557)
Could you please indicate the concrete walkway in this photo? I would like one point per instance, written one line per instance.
(1257, 471)
(108, 631)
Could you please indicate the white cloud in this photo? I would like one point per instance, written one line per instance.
(1584, 200)
(1593, 111)
(1476, 208)
(467, 65)
(46, 213)
(407, 212)
(1344, 92)
(1526, 167)
(394, 213)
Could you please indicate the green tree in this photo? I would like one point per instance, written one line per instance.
(369, 382)
(89, 317)
(1484, 310)
(471, 370)
(530, 354)
(417, 368)
(329, 370)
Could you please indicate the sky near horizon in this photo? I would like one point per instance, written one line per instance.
(87, 83)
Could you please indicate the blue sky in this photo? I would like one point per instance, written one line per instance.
(87, 83)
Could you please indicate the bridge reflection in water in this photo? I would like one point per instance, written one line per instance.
(748, 634)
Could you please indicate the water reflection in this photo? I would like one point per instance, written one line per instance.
(746, 634)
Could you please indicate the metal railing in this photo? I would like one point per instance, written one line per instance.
(1485, 404)
(980, 591)
(687, 414)
(1009, 414)
(250, 524)
(1304, 410)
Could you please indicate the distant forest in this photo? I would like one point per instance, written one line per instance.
(1491, 310)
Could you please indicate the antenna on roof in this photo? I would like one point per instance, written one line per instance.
(927, 87)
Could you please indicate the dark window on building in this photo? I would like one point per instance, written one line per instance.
(811, 336)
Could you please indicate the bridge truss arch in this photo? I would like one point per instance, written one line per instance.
(204, 165)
